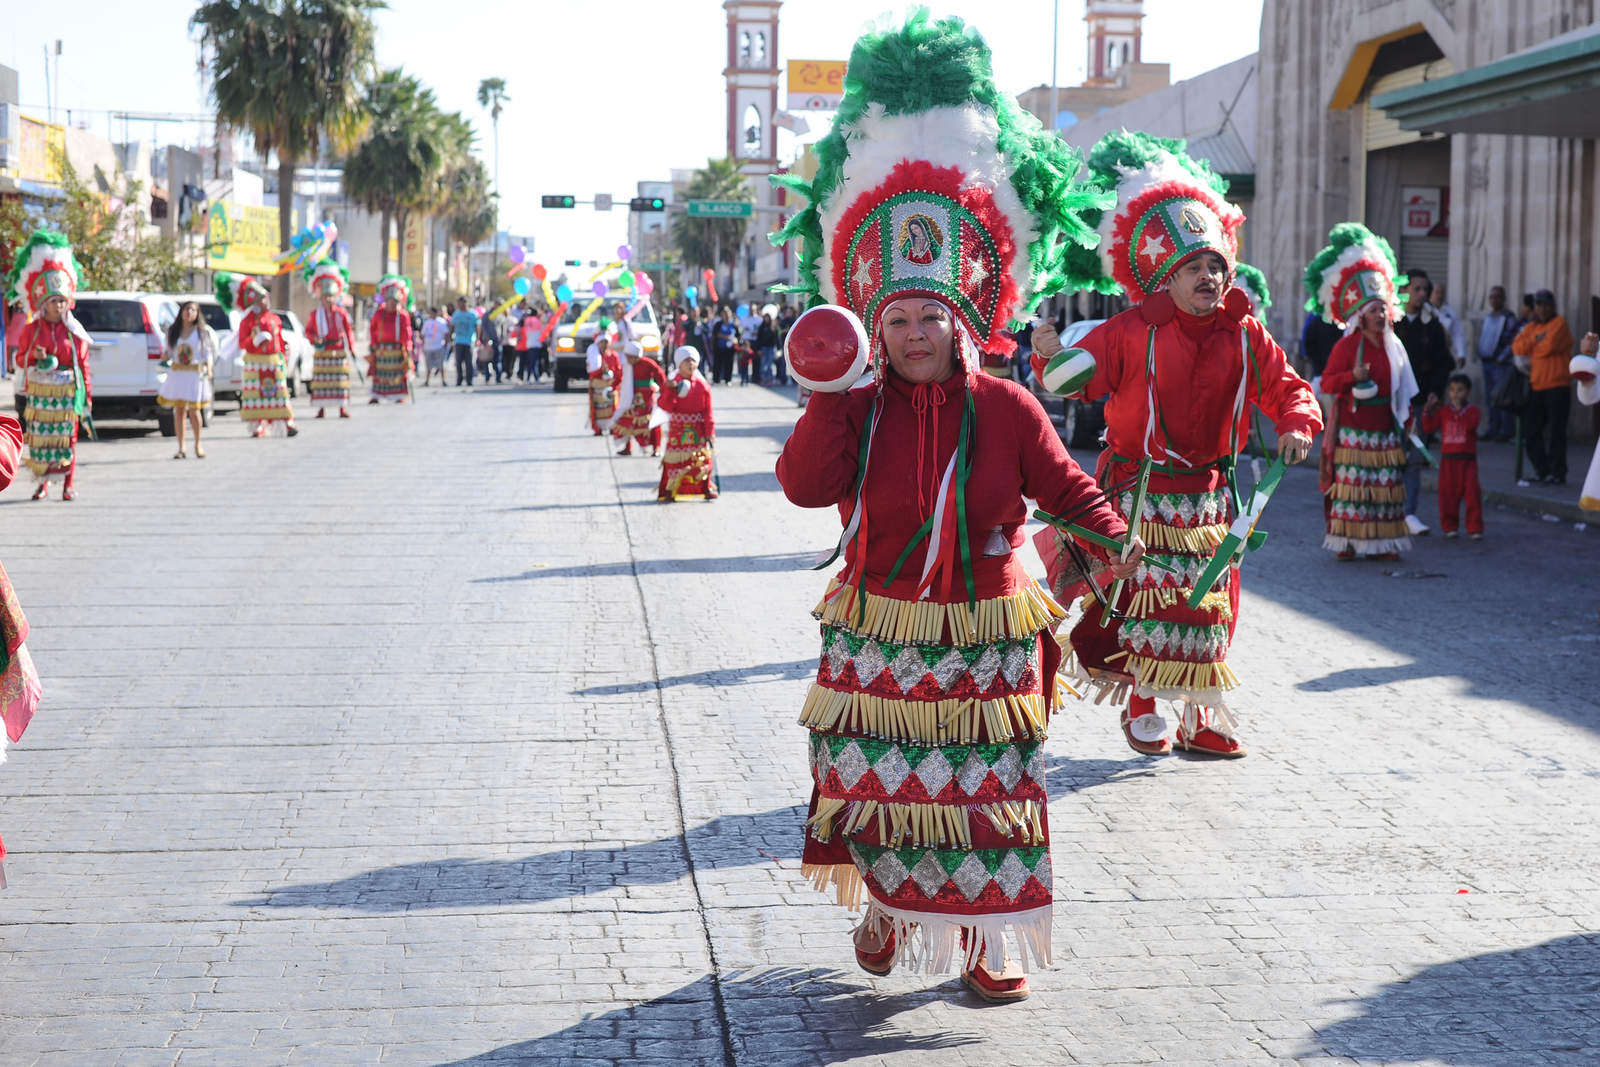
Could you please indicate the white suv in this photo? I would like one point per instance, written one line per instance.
(127, 343)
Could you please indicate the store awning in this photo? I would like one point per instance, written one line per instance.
(1549, 90)
(1229, 156)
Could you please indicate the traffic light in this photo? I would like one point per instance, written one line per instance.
(647, 203)
(558, 201)
(572, 262)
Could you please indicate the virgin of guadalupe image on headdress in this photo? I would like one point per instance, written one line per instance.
(920, 240)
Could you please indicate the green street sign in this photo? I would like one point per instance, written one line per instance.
(652, 266)
(721, 209)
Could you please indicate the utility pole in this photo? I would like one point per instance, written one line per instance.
(1055, 46)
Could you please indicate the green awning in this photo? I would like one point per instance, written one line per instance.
(1550, 90)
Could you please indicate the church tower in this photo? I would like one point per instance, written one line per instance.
(1113, 32)
(752, 76)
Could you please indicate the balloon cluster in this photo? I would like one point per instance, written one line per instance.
(310, 245)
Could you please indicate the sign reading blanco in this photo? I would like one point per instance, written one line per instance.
(721, 209)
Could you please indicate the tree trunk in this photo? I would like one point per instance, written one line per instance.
(286, 164)
(400, 240)
(383, 242)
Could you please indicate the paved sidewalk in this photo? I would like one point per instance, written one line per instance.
(429, 738)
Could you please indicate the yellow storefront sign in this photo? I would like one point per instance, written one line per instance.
(241, 237)
(815, 84)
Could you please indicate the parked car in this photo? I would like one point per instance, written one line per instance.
(571, 345)
(1081, 422)
(127, 343)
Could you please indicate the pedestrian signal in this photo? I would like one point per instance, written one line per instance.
(572, 262)
(647, 203)
(558, 201)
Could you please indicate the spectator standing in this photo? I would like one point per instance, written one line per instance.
(1494, 354)
(529, 329)
(464, 328)
(766, 348)
(1458, 464)
(786, 317)
(1428, 351)
(435, 339)
(1546, 344)
(1454, 329)
(489, 336)
(725, 338)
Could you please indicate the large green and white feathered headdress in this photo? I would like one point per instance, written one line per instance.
(1356, 267)
(1254, 284)
(932, 181)
(1167, 206)
(42, 268)
(326, 276)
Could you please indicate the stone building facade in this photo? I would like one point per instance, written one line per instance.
(1509, 210)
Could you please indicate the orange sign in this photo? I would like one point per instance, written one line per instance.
(815, 84)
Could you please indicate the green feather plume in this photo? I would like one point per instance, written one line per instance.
(1256, 282)
(1340, 238)
(925, 64)
(40, 238)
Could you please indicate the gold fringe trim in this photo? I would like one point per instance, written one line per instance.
(923, 622)
(927, 825)
(1362, 457)
(843, 878)
(1145, 603)
(1196, 539)
(1368, 531)
(1178, 676)
(926, 722)
(682, 455)
(1375, 494)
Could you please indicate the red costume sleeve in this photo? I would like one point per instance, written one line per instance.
(10, 448)
(349, 328)
(1337, 376)
(1431, 420)
(24, 357)
(1105, 344)
(817, 467)
(1279, 393)
(710, 422)
(1052, 477)
(403, 320)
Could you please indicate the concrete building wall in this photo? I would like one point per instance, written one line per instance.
(1194, 105)
(1521, 208)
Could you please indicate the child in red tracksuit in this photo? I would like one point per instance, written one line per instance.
(1458, 464)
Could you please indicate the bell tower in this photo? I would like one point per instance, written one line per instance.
(1113, 33)
(752, 76)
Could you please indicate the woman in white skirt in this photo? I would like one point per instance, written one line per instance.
(191, 352)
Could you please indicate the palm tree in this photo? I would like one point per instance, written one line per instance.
(392, 171)
(703, 241)
(491, 94)
(291, 73)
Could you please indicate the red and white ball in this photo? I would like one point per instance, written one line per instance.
(827, 349)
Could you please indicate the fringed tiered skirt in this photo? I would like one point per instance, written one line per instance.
(634, 424)
(330, 378)
(602, 402)
(263, 393)
(1365, 505)
(391, 370)
(927, 755)
(686, 461)
(52, 430)
(1163, 649)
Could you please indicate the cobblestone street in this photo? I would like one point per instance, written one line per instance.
(431, 738)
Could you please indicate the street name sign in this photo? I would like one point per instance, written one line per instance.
(721, 209)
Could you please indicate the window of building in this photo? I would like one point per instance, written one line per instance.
(752, 131)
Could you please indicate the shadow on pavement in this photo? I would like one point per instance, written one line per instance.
(792, 671)
(681, 1026)
(792, 561)
(725, 841)
(1522, 1006)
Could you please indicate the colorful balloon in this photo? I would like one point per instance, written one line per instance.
(625, 279)
(692, 294)
(743, 311)
(599, 288)
(518, 253)
(522, 285)
(624, 253)
(540, 272)
(643, 285)
(564, 292)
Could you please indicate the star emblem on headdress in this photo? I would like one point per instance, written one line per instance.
(977, 273)
(863, 278)
(1155, 247)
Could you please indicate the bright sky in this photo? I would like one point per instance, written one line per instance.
(649, 72)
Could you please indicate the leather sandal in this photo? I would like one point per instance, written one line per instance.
(1010, 984)
(1209, 742)
(69, 493)
(879, 962)
(42, 492)
(1145, 722)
